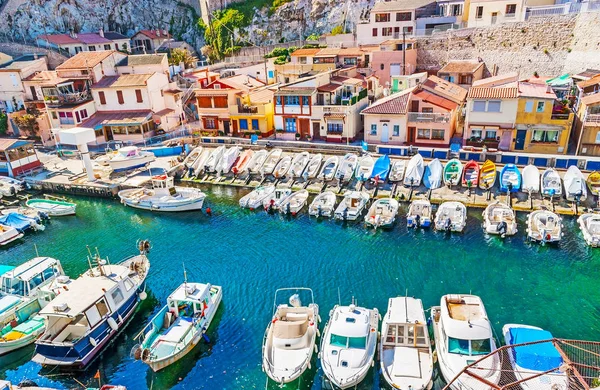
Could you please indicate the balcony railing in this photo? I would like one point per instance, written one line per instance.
(426, 117)
(510, 16)
(560, 116)
(592, 120)
(68, 98)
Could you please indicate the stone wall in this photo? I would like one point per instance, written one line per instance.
(17, 49)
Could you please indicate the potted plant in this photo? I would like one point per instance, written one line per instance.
(308, 137)
(297, 136)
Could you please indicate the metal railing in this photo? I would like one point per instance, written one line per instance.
(592, 118)
(68, 98)
(426, 117)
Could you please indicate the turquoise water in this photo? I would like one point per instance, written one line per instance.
(251, 254)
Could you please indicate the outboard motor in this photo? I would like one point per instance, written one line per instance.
(345, 214)
(417, 221)
(288, 208)
(502, 228)
(448, 225)
(318, 210)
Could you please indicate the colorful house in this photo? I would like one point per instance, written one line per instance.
(12, 76)
(74, 43)
(462, 72)
(393, 59)
(148, 41)
(17, 157)
(587, 120)
(253, 113)
(482, 13)
(385, 120)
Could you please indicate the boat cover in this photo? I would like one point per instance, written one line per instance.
(381, 168)
(18, 221)
(8, 301)
(537, 357)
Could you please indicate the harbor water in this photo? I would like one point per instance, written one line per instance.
(252, 253)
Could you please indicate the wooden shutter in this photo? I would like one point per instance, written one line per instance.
(138, 95)
(120, 97)
(102, 97)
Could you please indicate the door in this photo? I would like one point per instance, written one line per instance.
(304, 127)
(411, 134)
(414, 106)
(385, 133)
(316, 130)
(226, 127)
(235, 127)
(494, 17)
(108, 133)
(520, 141)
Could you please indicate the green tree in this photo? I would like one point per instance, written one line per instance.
(179, 55)
(27, 122)
(337, 30)
(219, 33)
(3, 123)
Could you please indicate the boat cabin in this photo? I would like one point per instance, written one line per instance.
(26, 279)
(189, 300)
(350, 328)
(406, 324)
(165, 184)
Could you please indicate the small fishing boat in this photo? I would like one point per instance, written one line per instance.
(290, 341)
(381, 169)
(299, 164)
(451, 217)
(271, 161)
(294, 202)
(499, 218)
(7, 189)
(191, 158)
(255, 198)
(404, 349)
(535, 365)
(351, 206)
(312, 169)
(9, 234)
(163, 196)
(433, 175)
(419, 214)
(282, 167)
(575, 187)
(347, 167)
(348, 344)
(544, 226)
(463, 334)
(126, 158)
(589, 224)
(21, 222)
(453, 172)
(179, 325)
(531, 179)
(414, 171)
(397, 171)
(329, 168)
(81, 321)
(550, 183)
(242, 162)
(365, 168)
(274, 199)
(382, 213)
(52, 207)
(487, 175)
(212, 162)
(470, 177)
(26, 211)
(228, 160)
(257, 161)
(323, 205)
(199, 165)
(593, 182)
(12, 185)
(510, 178)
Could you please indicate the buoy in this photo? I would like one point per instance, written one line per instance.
(143, 295)
(208, 211)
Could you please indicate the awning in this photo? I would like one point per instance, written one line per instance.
(565, 79)
(334, 116)
(125, 118)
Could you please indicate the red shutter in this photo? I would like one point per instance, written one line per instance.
(120, 97)
(374, 32)
(138, 95)
(102, 97)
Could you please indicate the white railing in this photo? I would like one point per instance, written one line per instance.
(427, 117)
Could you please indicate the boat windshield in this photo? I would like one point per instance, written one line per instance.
(348, 342)
(469, 347)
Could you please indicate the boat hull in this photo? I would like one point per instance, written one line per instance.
(149, 205)
(126, 165)
(11, 346)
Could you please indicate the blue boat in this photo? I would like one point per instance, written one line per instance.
(381, 168)
(510, 177)
(20, 222)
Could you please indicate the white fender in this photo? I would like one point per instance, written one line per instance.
(112, 323)
(93, 342)
(143, 295)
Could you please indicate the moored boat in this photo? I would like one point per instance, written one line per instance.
(299, 163)
(550, 183)
(271, 161)
(191, 158)
(9, 234)
(312, 168)
(53, 207)
(432, 178)
(451, 217)
(329, 168)
(282, 167)
(323, 205)
(163, 196)
(212, 162)
(381, 169)
(499, 218)
(227, 160)
(593, 182)
(126, 158)
(242, 162)
(414, 171)
(510, 178)
(470, 177)
(419, 214)
(21, 222)
(453, 172)
(179, 325)
(255, 198)
(487, 175)
(365, 168)
(199, 165)
(382, 213)
(531, 179)
(544, 226)
(10, 186)
(274, 199)
(347, 166)
(575, 187)
(257, 161)
(397, 170)
(589, 224)
(351, 206)
(294, 202)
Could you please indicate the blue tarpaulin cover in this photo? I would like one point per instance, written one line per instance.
(381, 168)
(18, 221)
(538, 357)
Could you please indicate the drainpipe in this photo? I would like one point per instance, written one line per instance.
(579, 139)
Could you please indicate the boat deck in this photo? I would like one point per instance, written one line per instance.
(167, 343)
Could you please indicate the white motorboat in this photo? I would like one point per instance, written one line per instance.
(126, 158)
(163, 196)
(227, 160)
(531, 179)
(53, 207)
(274, 199)
(323, 205)
(347, 166)
(312, 168)
(191, 158)
(432, 178)
(200, 164)
(329, 168)
(499, 218)
(12, 185)
(575, 186)
(537, 365)
(405, 350)
(550, 183)
(271, 161)
(352, 205)
(299, 164)
(8, 234)
(282, 167)
(544, 226)
(414, 171)
(294, 202)
(463, 334)
(589, 224)
(397, 170)
(180, 325)
(257, 161)
(364, 169)
(382, 213)
(212, 162)
(255, 198)
(290, 341)
(451, 217)
(419, 214)
(348, 345)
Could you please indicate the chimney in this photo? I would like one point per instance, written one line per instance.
(157, 32)
(101, 32)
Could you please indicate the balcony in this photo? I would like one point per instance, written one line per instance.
(247, 110)
(66, 99)
(426, 117)
(348, 100)
(592, 120)
(560, 116)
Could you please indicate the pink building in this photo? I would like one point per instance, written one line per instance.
(393, 59)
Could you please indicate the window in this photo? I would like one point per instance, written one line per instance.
(423, 133)
(350, 61)
(117, 296)
(66, 118)
(83, 113)
(102, 308)
(420, 335)
(396, 131)
(348, 342)
(456, 10)
(54, 115)
(220, 101)
(78, 49)
(335, 127)
(116, 46)
(539, 107)
(77, 119)
(91, 48)
(407, 30)
(391, 334)
(290, 125)
(529, 106)
(303, 60)
(511, 9)
(138, 96)
(102, 97)
(428, 110)
(403, 16)
(128, 284)
(386, 31)
(466, 79)
(374, 32)
(458, 346)
(479, 12)
(490, 134)
(292, 100)
(437, 134)
(305, 101)
(381, 66)
(382, 18)
(481, 347)
(210, 123)
(120, 97)
(479, 106)
(278, 100)
(549, 136)
(255, 124)
(107, 47)
(243, 124)
(374, 129)
(494, 106)
(217, 86)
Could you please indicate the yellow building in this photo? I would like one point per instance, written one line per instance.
(253, 113)
(587, 127)
(543, 124)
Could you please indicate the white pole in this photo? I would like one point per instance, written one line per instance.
(87, 161)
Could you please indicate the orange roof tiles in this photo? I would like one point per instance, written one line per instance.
(305, 52)
(396, 104)
(446, 89)
(493, 93)
(434, 99)
(85, 59)
(535, 90)
(461, 66)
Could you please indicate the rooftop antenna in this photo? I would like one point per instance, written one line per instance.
(36, 250)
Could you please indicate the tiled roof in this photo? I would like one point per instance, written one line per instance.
(493, 93)
(46, 78)
(329, 87)
(446, 89)
(125, 80)
(588, 73)
(399, 5)
(591, 99)
(17, 65)
(85, 38)
(261, 96)
(92, 39)
(164, 111)
(591, 81)
(172, 91)
(58, 39)
(396, 104)
(293, 91)
(6, 143)
(352, 51)
(116, 118)
(461, 66)
(142, 59)
(85, 59)
(330, 52)
(497, 80)
(305, 52)
(541, 91)
(434, 99)
(4, 58)
(114, 36)
(153, 35)
(242, 82)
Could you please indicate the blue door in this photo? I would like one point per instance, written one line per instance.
(520, 141)
(385, 133)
